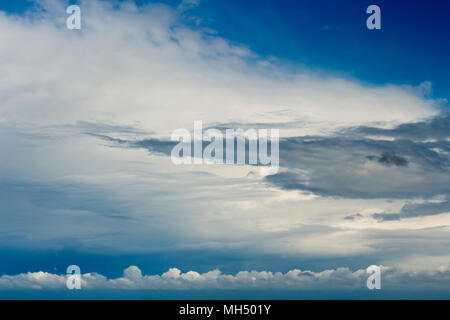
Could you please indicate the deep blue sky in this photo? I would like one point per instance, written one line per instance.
(413, 45)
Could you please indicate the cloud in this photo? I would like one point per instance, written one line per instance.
(433, 128)
(362, 163)
(344, 164)
(146, 64)
(353, 216)
(345, 167)
(174, 279)
(390, 158)
(412, 210)
(188, 4)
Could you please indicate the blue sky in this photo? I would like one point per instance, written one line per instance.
(364, 150)
(412, 46)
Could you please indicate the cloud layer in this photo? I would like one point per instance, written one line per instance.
(174, 279)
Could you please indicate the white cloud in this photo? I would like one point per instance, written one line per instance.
(143, 66)
(174, 279)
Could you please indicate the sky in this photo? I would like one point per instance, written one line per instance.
(87, 179)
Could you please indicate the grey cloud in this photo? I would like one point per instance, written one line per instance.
(353, 216)
(105, 128)
(411, 210)
(339, 165)
(164, 147)
(436, 128)
(153, 145)
(390, 158)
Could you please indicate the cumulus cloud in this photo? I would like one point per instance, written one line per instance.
(412, 210)
(174, 279)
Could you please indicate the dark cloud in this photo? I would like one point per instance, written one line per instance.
(351, 165)
(386, 216)
(155, 145)
(411, 210)
(434, 128)
(353, 216)
(390, 158)
(164, 147)
(347, 167)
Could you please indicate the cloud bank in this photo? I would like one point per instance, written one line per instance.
(174, 279)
